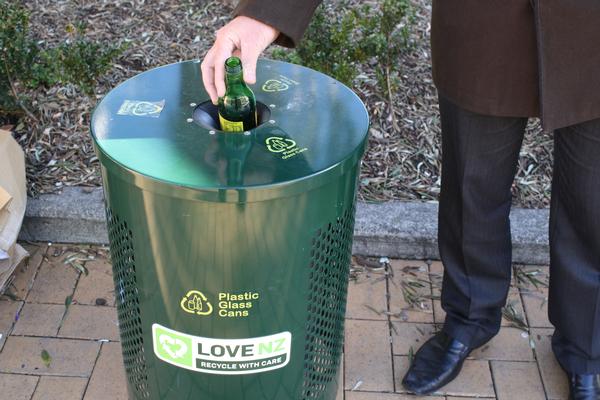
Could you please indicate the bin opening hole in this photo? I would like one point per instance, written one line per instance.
(207, 115)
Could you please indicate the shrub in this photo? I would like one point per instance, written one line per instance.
(343, 40)
(24, 63)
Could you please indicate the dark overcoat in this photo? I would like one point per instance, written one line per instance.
(519, 58)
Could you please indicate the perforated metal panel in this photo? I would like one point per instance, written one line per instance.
(128, 306)
(329, 268)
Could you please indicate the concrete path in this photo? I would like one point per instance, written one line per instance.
(393, 229)
(386, 323)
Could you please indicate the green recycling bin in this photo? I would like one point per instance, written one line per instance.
(231, 251)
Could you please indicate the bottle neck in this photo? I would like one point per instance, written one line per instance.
(234, 79)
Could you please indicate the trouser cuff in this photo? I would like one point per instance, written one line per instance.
(469, 333)
(572, 362)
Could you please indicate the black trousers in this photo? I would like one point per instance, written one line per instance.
(479, 159)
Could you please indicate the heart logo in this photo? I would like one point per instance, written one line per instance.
(274, 85)
(174, 347)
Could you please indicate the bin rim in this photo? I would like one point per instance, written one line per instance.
(231, 193)
(227, 194)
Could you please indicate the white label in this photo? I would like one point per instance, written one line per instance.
(222, 356)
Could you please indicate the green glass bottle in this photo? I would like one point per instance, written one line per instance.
(237, 109)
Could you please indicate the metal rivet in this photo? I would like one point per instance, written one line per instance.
(211, 132)
(271, 121)
(190, 120)
(192, 104)
(246, 133)
(272, 105)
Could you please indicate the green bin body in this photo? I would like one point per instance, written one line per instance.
(231, 251)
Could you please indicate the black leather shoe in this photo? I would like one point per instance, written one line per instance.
(584, 387)
(435, 364)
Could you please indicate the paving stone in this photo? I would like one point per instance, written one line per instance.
(384, 396)
(407, 336)
(17, 387)
(109, 368)
(534, 297)
(367, 297)
(439, 315)
(517, 380)
(514, 303)
(536, 306)
(510, 344)
(415, 272)
(22, 355)
(90, 322)
(555, 380)
(8, 314)
(39, 319)
(25, 272)
(525, 275)
(60, 388)
(467, 398)
(54, 282)
(340, 392)
(436, 274)
(368, 356)
(475, 379)
(98, 284)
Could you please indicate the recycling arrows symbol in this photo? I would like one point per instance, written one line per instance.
(195, 302)
(275, 85)
(276, 144)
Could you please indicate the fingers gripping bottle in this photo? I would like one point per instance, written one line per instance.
(237, 109)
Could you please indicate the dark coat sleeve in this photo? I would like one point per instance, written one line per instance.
(289, 17)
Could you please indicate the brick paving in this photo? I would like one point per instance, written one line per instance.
(392, 310)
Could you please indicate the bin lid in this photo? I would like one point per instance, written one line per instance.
(151, 125)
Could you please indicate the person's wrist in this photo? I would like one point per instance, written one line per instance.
(267, 32)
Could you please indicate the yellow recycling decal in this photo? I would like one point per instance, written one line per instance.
(195, 302)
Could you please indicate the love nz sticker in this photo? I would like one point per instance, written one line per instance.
(222, 356)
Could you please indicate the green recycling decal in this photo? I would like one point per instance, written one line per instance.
(222, 356)
(172, 347)
(137, 108)
(277, 144)
(282, 83)
(288, 148)
(274, 85)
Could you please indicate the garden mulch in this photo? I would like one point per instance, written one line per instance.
(401, 163)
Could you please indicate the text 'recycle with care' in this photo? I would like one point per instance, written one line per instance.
(222, 356)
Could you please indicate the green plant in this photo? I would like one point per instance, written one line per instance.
(328, 44)
(24, 63)
(82, 61)
(386, 35)
(342, 41)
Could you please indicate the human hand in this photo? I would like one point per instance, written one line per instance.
(243, 37)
